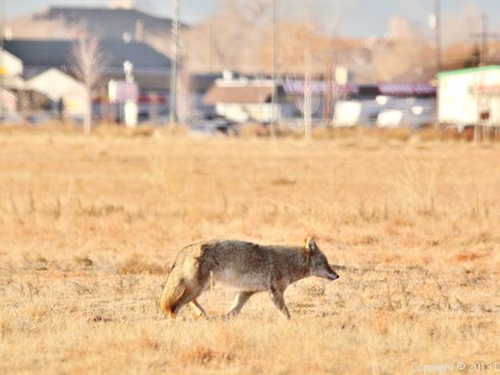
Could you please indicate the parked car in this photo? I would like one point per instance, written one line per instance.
(40, 117)
(8, 118)
(415, 117)
(213, 125)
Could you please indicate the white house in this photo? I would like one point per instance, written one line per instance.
(59, 86)
(470, 96)
(11, 70)
(11, 65)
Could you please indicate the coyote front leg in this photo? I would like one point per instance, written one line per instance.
(239, 301)
(279, 301)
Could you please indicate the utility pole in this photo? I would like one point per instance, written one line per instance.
(210, 42)
(175, 63)
(484, 36)
(437, 34)
(439, 48)
(483, 116)
(308, 95)
(275, 120)
(484, 40)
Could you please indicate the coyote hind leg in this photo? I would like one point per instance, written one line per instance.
(199, 308)
(190, 294)
(239, 301)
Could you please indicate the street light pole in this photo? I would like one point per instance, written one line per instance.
(275, 120)
(2, 52)
(175, 57)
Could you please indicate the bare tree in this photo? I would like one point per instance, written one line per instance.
(88, 64)
(296, 37)
(395, 58)
(239, 35)
(229, 39)
(405, 54)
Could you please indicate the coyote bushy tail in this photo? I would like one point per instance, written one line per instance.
(172, 293)
(183, 283)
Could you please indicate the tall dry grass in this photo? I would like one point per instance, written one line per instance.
(89, 227)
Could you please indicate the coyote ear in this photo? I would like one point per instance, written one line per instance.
(310, 245)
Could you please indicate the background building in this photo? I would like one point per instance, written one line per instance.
(470, 96)
(242, 99)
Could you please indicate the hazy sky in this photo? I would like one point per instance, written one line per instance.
(365, 17)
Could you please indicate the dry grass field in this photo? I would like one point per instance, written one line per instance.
(89, 226)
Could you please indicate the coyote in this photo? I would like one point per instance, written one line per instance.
(248, 267)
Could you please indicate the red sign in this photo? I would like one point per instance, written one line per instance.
(122, 91)
(485, 89)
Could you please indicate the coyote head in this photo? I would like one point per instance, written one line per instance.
(319, 264)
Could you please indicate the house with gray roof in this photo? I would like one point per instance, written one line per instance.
(151, 68)
(50, 63)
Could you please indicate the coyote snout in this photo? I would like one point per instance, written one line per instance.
(319, 263)
(328, 274)
(248, 267)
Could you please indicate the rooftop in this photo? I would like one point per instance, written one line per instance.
(468, 70)
(57, 53)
